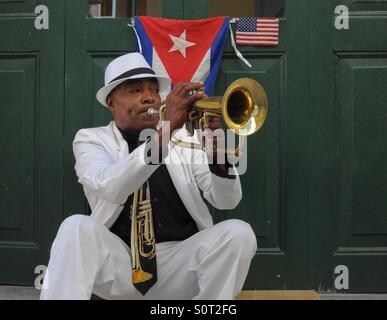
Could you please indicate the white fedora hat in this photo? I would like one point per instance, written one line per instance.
(129, 66)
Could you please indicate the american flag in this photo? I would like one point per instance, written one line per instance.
(257, 31)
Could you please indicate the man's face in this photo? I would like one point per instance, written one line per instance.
(130, 101)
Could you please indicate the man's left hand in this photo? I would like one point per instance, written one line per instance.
(215, 142)
(213, 124)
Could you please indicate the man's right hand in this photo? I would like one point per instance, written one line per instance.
(179, 100)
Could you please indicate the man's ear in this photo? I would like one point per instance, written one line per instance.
(109, 102)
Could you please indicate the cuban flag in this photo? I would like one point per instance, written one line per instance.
(183, 50)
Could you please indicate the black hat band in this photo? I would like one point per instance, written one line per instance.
(133, 72)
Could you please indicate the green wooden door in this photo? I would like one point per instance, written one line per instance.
(348, 122)
(31, 92)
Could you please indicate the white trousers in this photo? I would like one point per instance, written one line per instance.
(87, 258)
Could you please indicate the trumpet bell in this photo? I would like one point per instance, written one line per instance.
(139, 276)
(245, 106)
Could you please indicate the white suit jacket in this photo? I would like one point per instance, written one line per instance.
(109, 174)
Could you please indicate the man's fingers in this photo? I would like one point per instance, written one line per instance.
(214, 120)
(194, 97)
(188, 87)
(177, 89)
(182, 88)
(214, 123)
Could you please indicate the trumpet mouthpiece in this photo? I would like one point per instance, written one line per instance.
(152, 111)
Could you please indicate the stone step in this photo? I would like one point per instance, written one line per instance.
(278, 295)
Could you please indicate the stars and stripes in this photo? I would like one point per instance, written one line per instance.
(257, 31)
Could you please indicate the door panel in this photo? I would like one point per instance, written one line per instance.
(362, 126)
(31, 90)
(19, 217)
(360, 207)
(348, 75)
(18, 7)
(18, 76)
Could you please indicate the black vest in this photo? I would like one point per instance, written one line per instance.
(171, 220)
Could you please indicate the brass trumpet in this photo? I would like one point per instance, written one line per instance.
(142, 233)
(243, 107)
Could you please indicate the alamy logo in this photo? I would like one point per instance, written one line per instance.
(41, 21)
(41, 282)
(342, 278)
(342, 19)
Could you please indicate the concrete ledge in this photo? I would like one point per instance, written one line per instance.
(353, 296)
(30, 293)
(18, 293)
(278, 295)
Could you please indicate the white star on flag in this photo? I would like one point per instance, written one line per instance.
(180, 44)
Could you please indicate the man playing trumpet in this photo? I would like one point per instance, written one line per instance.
(150, 234)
